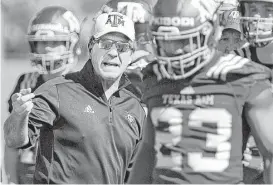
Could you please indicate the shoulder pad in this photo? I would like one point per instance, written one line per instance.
(230, 67)
(29, 80)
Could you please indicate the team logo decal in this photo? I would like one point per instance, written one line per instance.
(130, 118)
(115, 20)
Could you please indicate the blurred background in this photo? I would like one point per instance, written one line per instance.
(15, 16)
(17, 13)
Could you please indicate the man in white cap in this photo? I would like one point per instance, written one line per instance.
(231, 36)
(88, 124)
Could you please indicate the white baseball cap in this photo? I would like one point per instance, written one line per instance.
(231, 19)
(113, 22)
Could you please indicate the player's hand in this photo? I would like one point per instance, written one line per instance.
(138, 60)
(22, 101)
(138, 54)
(160, 71)
(170, 116)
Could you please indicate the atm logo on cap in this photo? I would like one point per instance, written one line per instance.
(115, 20)
(234, 14)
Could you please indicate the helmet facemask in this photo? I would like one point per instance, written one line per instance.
(56, 57)
(193, 52)
(53, 36)
(257, 22)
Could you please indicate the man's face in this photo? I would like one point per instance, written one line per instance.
(52, 51)
(230, 40)
(172, 48)
(50, 47)
(260, 10)
(110, 63)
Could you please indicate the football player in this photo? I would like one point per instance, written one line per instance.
(53, 36)
(257, 24)
(195, 108)
(231, 36)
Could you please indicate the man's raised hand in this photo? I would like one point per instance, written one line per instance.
(22, 101)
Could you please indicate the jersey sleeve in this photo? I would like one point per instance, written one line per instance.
(16, 89)
(255, 77)
(258, 87)
(44, 112)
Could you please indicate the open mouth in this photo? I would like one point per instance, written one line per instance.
(111, 64)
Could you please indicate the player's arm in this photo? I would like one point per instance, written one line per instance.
(16, 125)
(259, 114)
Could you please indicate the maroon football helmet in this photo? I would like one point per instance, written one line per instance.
(257, 21)
(184, 33)
(57, 29)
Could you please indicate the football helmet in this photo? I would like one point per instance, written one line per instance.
(257, 21)
(185, 35)
(48, 28)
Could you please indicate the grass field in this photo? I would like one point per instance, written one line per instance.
(12, 68)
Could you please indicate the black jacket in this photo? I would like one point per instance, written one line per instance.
(83, 137)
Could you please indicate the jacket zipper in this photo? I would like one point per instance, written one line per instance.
(110, 111)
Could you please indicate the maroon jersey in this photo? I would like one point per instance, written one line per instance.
(208, 148)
